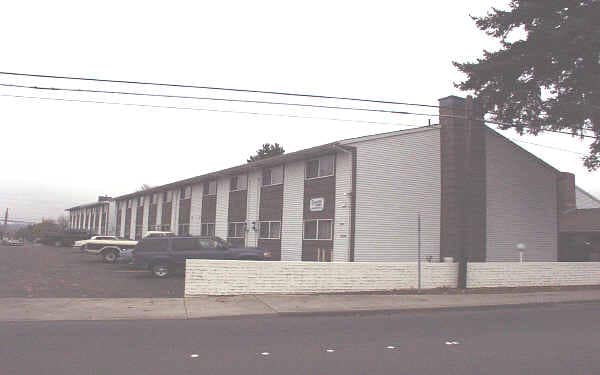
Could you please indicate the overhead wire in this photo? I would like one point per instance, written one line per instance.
(283, 93)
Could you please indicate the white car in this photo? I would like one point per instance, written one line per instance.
(158, 234)
(110, 248)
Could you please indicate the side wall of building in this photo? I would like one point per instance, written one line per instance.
(398, 178)
(584, 201)
(521, 202)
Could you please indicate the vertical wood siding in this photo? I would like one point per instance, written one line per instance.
(293, 199)
(521, 203)
(398, 177)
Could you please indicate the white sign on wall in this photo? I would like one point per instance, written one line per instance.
(317, 204)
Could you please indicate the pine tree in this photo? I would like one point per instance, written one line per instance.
(267, 151)
(546, 74)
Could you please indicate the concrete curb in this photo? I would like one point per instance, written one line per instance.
(205, 307)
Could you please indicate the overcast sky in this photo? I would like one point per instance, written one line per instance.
(61, 153)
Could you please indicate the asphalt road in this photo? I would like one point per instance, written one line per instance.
(38, 271)
(559, 339)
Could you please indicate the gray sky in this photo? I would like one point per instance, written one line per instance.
(58, 154)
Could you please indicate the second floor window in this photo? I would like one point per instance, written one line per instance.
(272, 176)
(238, 182)
(185, 192)
(320, 167)
(210, 188)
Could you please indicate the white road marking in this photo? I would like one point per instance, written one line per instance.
(452, 343)
(265, 353)
(194, 355)
(390, 347)
(330, 350)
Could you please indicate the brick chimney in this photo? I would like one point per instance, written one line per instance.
(566, 192)
(463, 173)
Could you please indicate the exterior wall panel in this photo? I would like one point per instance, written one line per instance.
(397, 178)
(292, 221)
(196, 210)
(521, 203)
(252, 209)
(343, 194)
(221, 222)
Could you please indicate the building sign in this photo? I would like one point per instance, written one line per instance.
(317, 204)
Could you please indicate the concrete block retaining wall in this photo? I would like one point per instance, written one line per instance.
(513, 274)
(214, 277)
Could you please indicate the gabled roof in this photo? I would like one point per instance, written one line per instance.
(88, 205)
(596, 200)
(273, 161)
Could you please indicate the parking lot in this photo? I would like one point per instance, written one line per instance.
(41, 271)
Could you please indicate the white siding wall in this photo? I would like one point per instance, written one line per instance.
(147, 200)
(112, 218)
(583, 200)
(123, 210)
(196, 210)
(222, 210)
(521, 203)
(133, 218)
(252, 211)
(174, 211)
(293, 213)
(398, 177)
(343, 195)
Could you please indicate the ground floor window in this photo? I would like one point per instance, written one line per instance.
(318, 229)
(207, 229)
(270, 229)
(237, 230)
(183, 230)
(165, 227)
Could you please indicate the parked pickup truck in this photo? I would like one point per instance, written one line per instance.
(110, 248)
(162, 255)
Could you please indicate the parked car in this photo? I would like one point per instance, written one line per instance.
(158, 234)
(110, 248)
(163, 255)
(13, 242)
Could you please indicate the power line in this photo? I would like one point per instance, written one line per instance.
(546, 146)
(204, 98)
(297, 116)
(218, 89)
(208, 110)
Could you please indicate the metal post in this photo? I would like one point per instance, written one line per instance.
(419, 250)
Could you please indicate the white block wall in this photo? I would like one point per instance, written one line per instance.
(293, 211)
(513, 274)
(222, 211)
(343, 203)
(215, 277)
(253, 206)
(196, 210)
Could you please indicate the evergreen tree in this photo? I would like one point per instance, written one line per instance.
(547, 73)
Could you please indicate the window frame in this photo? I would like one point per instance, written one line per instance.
(235, 229)
(270, 170)
(318, 160)
(207, 233)
(270, 231)
(205, 191)
(317, 230)
(237, 183)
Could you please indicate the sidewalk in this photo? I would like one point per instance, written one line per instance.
(48, 309)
